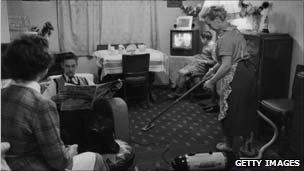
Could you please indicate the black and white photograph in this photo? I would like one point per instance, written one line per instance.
(184, 22)
(152, 85)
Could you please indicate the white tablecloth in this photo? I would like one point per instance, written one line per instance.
(111, 62)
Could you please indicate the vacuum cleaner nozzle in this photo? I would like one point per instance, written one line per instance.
(147, 127)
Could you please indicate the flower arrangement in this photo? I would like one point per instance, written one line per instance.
(191, 11)
(250, 10)
(255, 11)
(46, 30)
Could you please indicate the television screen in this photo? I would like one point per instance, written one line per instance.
(182, 40)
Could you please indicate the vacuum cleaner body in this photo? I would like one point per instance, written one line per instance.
(217, 160)
(203, 161)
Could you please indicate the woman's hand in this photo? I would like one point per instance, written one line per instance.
(209, 74)
(212, 71)
(209, 85)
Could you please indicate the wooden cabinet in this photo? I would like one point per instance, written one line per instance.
(272, 57)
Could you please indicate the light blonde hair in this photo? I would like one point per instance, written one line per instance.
(215, 11)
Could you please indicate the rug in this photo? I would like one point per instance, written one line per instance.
(184, 128)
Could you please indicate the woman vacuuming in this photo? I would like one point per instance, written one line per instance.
(234, 77)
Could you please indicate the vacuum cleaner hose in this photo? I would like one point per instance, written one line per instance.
(274, 137)
(150, 123)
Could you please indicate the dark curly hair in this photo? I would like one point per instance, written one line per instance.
(27, 56)
(67, 56)
(207, 35)
(46, 29)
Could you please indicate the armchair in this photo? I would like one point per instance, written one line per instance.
(75, 124)
(116, 107)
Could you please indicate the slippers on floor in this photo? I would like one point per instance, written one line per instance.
(223, 147)
(248, 153)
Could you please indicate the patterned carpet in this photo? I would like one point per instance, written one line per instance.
(184, 128)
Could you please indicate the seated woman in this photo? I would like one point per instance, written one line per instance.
(199, 66)
(30, 122)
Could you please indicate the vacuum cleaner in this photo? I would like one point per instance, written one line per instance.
(210, 160)
(218, 160)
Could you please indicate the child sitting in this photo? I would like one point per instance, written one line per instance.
(201, 64)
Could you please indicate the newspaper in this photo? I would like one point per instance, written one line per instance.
(74, 97)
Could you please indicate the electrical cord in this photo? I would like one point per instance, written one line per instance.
(163, 154)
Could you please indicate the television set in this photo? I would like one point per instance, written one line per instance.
(184, 42)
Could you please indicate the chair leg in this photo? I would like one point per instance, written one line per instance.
(284, 141)
(147, 94)
(153, 97)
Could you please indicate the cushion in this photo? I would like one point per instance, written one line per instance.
(278, 106)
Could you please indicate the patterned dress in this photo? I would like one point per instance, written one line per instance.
(237, 89)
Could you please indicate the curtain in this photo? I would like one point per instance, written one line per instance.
(84, 24)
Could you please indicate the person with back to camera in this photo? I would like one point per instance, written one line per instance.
(30, 122)
(45, 32)
(199, 66)
(235, 77)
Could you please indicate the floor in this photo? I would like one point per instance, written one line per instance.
(184, 128)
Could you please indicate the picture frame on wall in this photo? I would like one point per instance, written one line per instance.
(174, 3)
(184, 22)
(35, 0)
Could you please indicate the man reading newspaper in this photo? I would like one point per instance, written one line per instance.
(82, 97)
(75, 97)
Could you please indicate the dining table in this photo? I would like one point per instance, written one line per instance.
(110, 61)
